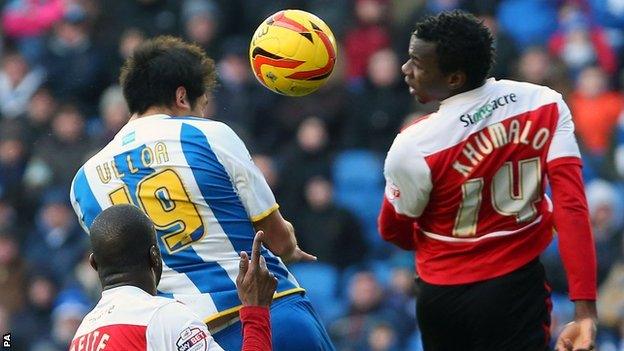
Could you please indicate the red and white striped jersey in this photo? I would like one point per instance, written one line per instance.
(128, 318)
(474, 174)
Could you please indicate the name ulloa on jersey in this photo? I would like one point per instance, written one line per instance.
(513, 130)
(156, 154)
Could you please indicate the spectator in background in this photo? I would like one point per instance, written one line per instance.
(610, 15)
(201, 24)
(533, 65)
(86, 278)
(57, 157)
(70, 307)
(120, 51)
(340, 242)
(57, 237)
(307, 158)
(371, 29)
(152, 17)
(267, 166)
(8, 216)
(28, 21)
(595, 110)
(536, 66)
(236, 95)
(13, 158)
(328, 103)
(382, 337)
(402, 289)
(38, 115)
(18, 82)
(114, 113)
(376, 111)
(604, 204)
(580, 44)
(366, 310)
(32, 324)
(12, 273)
(73, 62)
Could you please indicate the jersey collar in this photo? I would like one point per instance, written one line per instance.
(468, 95)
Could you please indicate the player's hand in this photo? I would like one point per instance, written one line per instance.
(297, 255)
(579, 335)
(255, 284)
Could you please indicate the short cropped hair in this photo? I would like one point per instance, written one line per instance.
(121, 237)
(463, 43)
(151, 75)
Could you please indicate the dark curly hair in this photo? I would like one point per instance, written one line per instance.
(151, 75)
(463, 43)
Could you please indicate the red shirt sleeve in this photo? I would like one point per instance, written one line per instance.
(396, 228)
(576, 241)
(256, 328)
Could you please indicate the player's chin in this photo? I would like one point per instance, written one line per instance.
(421, 98)
(418, 95)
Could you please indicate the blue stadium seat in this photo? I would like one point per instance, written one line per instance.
(358, 186)
(320, 281)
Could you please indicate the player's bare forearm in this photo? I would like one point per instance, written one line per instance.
(400, 232)
(280, 234)
(280, 238)
(585, 309)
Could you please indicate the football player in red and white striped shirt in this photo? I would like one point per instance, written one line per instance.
(130, 317)
(465, 189)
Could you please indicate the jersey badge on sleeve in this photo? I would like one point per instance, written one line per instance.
(192, 339)
(392, 191)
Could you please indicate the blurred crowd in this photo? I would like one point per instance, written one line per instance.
(321, 154)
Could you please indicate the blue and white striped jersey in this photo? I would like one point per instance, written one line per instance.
(195, 179)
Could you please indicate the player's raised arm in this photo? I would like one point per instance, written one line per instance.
(255, 286)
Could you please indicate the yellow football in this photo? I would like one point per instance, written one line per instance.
(292, 52)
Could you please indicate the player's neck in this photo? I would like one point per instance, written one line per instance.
(156, 110)
(144, 282)
(467, 88)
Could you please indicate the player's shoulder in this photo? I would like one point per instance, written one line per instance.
(206, 125)
(414, 133)
(170, 310)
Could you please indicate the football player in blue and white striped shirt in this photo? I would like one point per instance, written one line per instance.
(195, 179)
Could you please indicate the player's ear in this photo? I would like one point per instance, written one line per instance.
(181, 99)
(155, 262)
(92, 262)
(456, 80)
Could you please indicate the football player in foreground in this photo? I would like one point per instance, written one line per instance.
(130, 317)
(465, 189)
(195, 179)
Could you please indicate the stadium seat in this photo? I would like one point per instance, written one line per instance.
(320, 281)
(358, 182)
